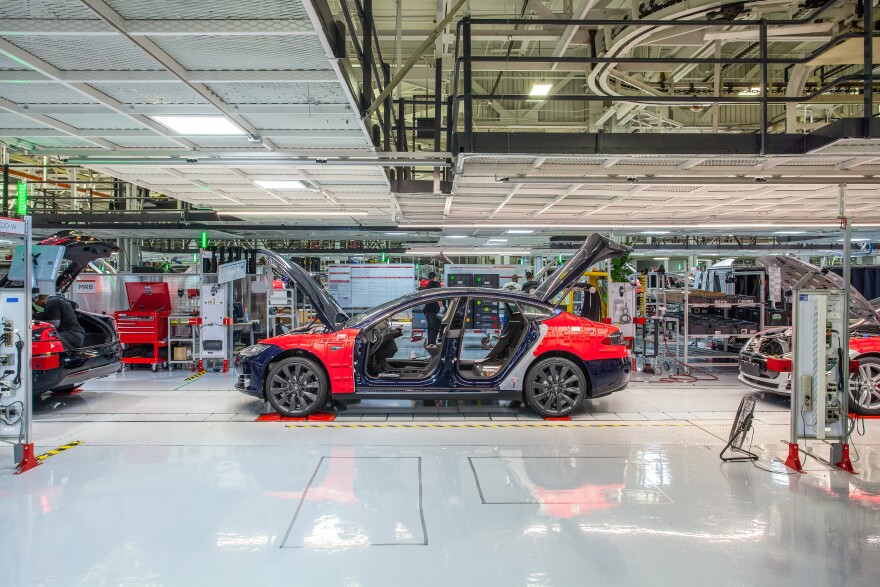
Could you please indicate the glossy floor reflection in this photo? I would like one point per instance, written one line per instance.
(586, 505)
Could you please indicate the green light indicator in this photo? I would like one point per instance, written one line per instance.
(560, 257)
(195, 257)
(384, 258)
(21, 200)
(203, 241)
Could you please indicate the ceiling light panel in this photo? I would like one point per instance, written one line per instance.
(273, 184)
(199, 125)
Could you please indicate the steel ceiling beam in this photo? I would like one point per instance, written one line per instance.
(21, 27)
(54, 74)
(300, 76)
(115, 20)
(88, 134)
(833, 179)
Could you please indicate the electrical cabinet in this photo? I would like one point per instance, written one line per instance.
(820, 364)
(215, 331)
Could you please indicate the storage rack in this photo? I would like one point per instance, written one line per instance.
(176, 323)
(273, 317)
(720, 304)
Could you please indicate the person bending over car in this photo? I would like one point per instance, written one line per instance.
(59, 312)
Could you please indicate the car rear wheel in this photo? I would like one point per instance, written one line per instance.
(296, 387)
(865, 389)
(555, 387)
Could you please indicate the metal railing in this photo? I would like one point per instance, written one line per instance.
(464, 60)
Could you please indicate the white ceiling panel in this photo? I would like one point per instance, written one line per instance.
(209, 9)
(82, 52)
(245, 53)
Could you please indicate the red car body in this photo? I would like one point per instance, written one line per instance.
(542, 351)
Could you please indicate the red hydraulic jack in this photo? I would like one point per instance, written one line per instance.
(794, 458)
(845, 464)
(28, 460)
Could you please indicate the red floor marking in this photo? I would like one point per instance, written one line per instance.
(865, 417)
(560, 419)
(276, 417)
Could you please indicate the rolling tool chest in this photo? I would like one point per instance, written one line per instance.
(143, 328)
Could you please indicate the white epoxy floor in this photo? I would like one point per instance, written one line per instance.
(175, 484)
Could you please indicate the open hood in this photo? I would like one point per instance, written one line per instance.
(328, 310)
(80, 250)
(596, 248)
(793, 270)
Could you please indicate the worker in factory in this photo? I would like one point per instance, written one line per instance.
(60, 313)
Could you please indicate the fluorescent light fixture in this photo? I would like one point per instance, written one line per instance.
(541, 88)
(789, 232)
(497, 240)
(856, 240)
(455, 236)
(395, 233)
(280, 184)
(199, 125)
(300, 212)
(656, 231)
(661, 258)
(753, 91)
(520, 231)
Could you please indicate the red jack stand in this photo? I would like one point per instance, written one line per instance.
(226, 365)
(794, 458)
(845, 464)
(28, 460)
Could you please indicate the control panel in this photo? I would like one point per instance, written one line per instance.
(214, 335)
(820, 364)
(13, 367)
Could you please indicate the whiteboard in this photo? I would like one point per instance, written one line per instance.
(366, 286)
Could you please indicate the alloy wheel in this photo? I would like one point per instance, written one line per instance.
(295, 388)
(556, 387)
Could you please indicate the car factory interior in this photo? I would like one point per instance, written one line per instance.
(474, 292)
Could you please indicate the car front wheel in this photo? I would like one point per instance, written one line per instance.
(555, 387)
(296, 387)
(865, 389)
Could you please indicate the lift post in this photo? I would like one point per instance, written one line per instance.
(16, 399)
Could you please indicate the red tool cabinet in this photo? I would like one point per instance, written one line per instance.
(146, 321)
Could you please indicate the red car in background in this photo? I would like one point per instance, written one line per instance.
(551, 359)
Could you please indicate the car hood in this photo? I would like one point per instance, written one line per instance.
(80, 249)
(328, 310)
(596, 248)
(793, 270)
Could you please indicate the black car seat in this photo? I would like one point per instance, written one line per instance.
(511, 334)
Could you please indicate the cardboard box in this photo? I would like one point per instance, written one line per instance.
(182, 353)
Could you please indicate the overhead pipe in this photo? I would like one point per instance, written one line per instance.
(63, 184)
(706, 99)
(849, 179)
(869, 65)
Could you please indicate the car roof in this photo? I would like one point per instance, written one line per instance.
(484, 291)
(426, 295)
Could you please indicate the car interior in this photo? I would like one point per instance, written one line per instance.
(386, 359)
(396, 345)
(500, 349)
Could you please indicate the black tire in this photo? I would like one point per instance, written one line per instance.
(296, 387)
(555, 387)
(865, 389)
